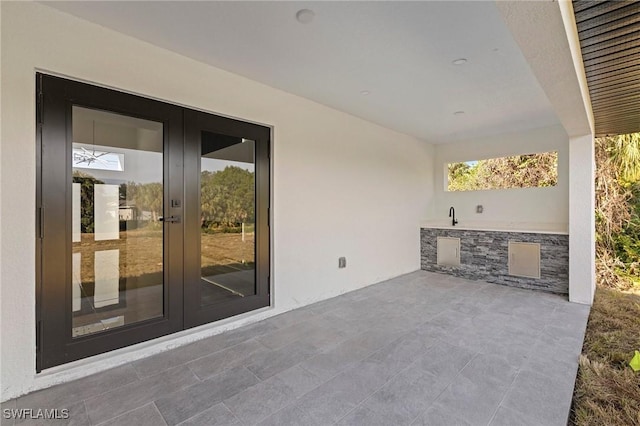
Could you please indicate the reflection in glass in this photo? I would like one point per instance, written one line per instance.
(117, 199)
(227, 218)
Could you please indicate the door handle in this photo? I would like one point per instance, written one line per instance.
(170, 219)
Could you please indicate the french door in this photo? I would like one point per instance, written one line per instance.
(152, 218)
(227, 219)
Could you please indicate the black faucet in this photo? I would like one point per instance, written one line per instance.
(452, 213)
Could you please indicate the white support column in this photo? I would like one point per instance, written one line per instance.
(582, 233)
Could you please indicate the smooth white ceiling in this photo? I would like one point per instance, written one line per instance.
(401, 52)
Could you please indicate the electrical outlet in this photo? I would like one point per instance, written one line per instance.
(479, 208)
(342, 262)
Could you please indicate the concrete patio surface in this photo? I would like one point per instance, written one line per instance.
(420, 349)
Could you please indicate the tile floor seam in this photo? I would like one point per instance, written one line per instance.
(421, 413)
(434, 400)
(97, 395)
(254, 375)
(302, 338)
(291, 366)
(186, 364)
(456, 376)
(159, 373)
(194, 359)
(135, 370)
(183, 421)
(287, 405)
(235, 416)
(313, 374)
(119, 415)
(86, 412)
(193, 372)
(476, 354)
(322, 383)
(152, 400)
(159, 413)
(381, 386)
(212, 353)
(102, 393)
(505, 395)
(83, 400)
(355, 362)
(197, 414)
(397, 374)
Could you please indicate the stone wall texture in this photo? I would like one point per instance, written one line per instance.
(484, 257)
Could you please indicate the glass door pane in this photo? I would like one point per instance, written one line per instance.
(226, 262)
(117, 233)
(227, 218)
(110, 234)
(152, 218)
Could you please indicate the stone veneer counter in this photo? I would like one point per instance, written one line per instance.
(484, 256)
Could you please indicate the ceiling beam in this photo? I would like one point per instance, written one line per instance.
(548, 40)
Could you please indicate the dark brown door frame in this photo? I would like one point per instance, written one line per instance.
(195, 123)
(55, 98)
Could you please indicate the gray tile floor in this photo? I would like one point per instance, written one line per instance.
(420, 349)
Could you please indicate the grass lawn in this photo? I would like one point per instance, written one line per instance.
(141, 252)
(607, 390)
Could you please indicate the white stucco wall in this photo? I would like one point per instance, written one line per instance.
(582, 229)
(528, 205)
(341, 186)
(1, 102)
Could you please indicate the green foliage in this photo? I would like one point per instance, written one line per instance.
(227, 199)
(627, 242)
(618, 210)
(625, 152)
(518, 171)
(463, 177)
(145, 197)
(87, 184)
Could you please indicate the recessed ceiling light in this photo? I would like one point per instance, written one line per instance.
(458, 113)
(364, 92)
(460, 61)
(304, 16)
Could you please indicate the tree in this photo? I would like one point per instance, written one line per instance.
(227, 196)
(518, 171)
(87, 183)
(149, 198)
(145, 197)
(617, 209)
(463, 177)
(624, 150)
